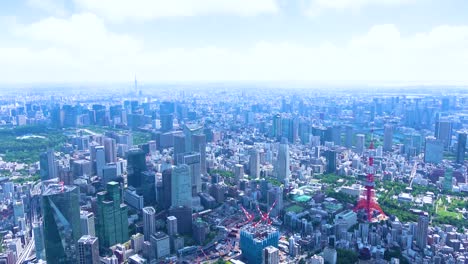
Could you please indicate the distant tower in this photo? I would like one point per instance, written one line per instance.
(421, 231)
(136, 85)
(149, 224)
(282, 166)
(368, 202)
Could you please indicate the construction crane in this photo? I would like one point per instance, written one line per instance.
(265, 217)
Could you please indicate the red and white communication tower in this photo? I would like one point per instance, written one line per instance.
(367, 201)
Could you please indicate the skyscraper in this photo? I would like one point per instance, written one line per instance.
(181, 186)
(192, 159)
(331, 161)
(166, 188)
(87, 223)
(421, 232)
(149, 222)
(360, 141)
(61, 216)
(238, 173)
(100, 160)
(388, 138)
(111, 216)
(88, 250)
(461, 149)
(254, 163)
(270, 255)
(282, 163)
(433, 150)
(275, 194)
(199, 145)
(136, 165)
(171, 224)
(110, 150)
(443, 132)
(38, 231)
(47, 165)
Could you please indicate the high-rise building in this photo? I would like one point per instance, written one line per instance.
(254, 163)
(136, 165)
(149, 222)
(88, 250)
(461, 149)
(238, 173)
(161, 244)
(199, 145)
(421, 232)
(443, 132)
(331, 161)
(100, 160)
(167, 121)
(275, 195)
(47, 165)
(87, 223)
(110, 149)
(254, 239)
(388, 138)
(171, 224)
(181, 186)
(38, 231)
(61, 216)
(18, 211)
(282, 167)
(184, 219)
(349, 136)
(179, 148)
(200, 230)
(192, 160)
(189, 131)
(111, 216)
(270, 255)
(166, 188)
(433, 150)
(360, 141)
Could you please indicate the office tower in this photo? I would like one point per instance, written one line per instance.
(111, 217)
(132, 198)
(461, 148)
(171, 224)
(254, 163)
(275, 196)
(199, 145)
(421, 232)
(166, 188)
(443, 132)
(192, 160)
(149, 222)
(270, 255)
(447, 183)
(360, 141)
(167, 122)
(349, 136)
(181, 186)
(238, 173)
(287, 129)
(87, 223)
(61, 216)
(38, 231)
(292, 246)
(331, 161)
(109, 173)
(189, 131)
(336, 135)
(110, 150)
(136, 165)
(100, 160)
(433, 150)
(184, 219)
(179, 148)
(329, 253)
(388, 138)
(47, 165)
(276, 126)
(88, 250)
(282, 167)
(254, 239)
(148, 188)
(161, 244)
(81, 167)
(18, 211)
(200, 230)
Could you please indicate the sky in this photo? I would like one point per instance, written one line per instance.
(356, 41)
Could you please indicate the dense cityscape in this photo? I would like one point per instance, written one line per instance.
(233, 173)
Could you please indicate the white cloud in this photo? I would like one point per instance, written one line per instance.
(121, 10)
(54, 7)
(82, 49)
(316, 7)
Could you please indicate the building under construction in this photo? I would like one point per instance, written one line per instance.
(254, 238)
